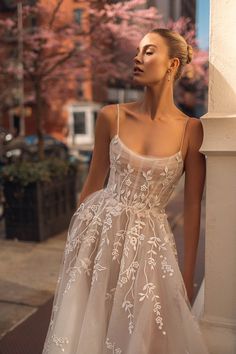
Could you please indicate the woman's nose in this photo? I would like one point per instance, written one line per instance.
(136, 59)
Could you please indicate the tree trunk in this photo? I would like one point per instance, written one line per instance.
(38, 121)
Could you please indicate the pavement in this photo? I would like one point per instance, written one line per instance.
(29, 271)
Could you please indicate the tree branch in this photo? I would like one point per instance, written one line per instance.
(59, 62)
(54, 13)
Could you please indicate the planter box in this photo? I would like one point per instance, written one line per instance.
(39, 210)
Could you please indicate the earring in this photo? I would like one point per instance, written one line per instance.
(169, 76)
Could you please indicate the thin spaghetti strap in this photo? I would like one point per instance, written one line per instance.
(118, 116)
(183, 135)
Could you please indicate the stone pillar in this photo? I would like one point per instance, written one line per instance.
(218, 322)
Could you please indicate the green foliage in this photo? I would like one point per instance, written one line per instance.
(47, 170)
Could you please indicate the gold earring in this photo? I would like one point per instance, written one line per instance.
(169, 76)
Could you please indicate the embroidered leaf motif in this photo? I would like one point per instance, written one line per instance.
(122, 234)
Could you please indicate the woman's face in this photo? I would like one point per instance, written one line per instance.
(152, 58)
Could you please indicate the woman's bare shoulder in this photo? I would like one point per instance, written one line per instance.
(108, 108)
(108, 111)
(107, 117)
(129, 106)
(195, 123)
(195, 131)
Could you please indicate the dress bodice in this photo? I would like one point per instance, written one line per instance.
(142, 183)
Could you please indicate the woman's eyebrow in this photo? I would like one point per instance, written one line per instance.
(147, 45)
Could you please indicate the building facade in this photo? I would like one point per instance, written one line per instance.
(73, 118)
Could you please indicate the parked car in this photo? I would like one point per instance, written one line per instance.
(52, 147)
(25, 148)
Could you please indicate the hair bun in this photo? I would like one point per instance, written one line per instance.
(189, 53)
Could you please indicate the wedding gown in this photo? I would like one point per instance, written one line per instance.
(120, 289)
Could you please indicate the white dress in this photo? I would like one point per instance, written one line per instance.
(120, 289)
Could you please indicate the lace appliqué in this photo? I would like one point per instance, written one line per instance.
(60, 341)
(138, 197)
(112, 346)
(145, 204)
(148, 289)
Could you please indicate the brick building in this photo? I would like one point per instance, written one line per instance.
(72, 118)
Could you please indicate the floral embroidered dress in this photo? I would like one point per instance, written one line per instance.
(120, 289)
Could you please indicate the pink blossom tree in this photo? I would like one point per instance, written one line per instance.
(101, 48)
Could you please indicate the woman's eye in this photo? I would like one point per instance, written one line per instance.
(145, 53)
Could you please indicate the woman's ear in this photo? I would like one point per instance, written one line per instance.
(174, 64)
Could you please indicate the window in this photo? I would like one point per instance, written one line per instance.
(78, 15)
(33, 21)
(80, 93)
(79, 123)
(79, 88)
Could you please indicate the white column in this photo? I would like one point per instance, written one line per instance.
(219, 319)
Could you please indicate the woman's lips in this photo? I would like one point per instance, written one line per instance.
(137, 71)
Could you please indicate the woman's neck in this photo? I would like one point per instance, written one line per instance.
(158, 102)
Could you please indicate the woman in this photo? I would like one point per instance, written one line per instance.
(120, 289)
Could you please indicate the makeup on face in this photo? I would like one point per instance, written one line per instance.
(145, 47)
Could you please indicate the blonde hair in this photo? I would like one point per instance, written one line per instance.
(177, 48)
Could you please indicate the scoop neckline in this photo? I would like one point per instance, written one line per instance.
(148, 157)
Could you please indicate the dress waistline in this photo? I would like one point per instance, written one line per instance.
(138, 208)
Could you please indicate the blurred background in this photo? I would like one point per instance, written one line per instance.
(61, 61)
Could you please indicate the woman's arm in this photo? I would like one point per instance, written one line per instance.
(195, 170)
(100, 162)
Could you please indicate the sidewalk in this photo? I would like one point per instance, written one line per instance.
(28, 275)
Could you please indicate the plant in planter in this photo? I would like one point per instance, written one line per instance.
(40, 198)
